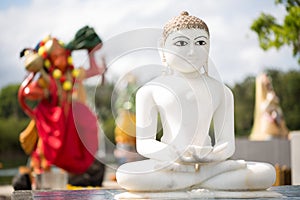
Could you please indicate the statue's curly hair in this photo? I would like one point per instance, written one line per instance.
(183, 21)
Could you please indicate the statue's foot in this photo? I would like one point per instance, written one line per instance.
(256, 176)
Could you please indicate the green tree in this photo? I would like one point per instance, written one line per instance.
(9, 105)
(12, 121)
(244, 99)
(10, 128)
(273, 34)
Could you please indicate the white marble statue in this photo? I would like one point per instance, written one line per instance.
(188, 100)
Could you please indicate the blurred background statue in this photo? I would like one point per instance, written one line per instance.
(63, 131)
(269, 121)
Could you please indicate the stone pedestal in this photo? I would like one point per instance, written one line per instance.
(295, 157)
(280, 192)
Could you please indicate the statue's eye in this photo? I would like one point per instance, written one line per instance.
(180, 43)
(200, 42)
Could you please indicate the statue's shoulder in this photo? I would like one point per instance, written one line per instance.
(214, 81)
(160, 85)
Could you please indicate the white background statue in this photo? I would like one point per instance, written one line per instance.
(188, 100)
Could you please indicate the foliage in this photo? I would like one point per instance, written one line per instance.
(10, 128)
(272, 34)
(244, 99)
(12, 121)
(9, 105)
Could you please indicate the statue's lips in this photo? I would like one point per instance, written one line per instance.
(192, 59)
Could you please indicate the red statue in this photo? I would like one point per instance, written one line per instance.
(66, 128)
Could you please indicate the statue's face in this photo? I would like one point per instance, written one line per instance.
(187, 50)
(59, 58)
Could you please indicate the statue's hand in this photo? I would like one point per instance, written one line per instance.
(196, 154)
(220, 147)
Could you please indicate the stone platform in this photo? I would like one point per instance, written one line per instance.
(287, 192)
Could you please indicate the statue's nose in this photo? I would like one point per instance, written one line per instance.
(191, 50)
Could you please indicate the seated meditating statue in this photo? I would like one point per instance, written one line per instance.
(188, 99)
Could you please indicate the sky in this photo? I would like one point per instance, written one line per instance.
(234, 47)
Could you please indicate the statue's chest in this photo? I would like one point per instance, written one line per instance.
(186, 95)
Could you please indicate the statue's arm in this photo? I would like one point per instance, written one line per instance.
(224, 128)
(36, 90)
(94, 68)
(146, 128)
